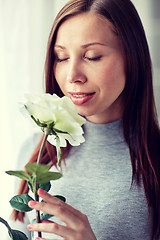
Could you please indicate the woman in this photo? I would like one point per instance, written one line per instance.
(99, 57)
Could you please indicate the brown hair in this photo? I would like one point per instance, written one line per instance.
(139, 117)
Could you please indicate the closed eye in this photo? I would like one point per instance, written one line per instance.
(88, 58)
(61, 59)
(94, 58)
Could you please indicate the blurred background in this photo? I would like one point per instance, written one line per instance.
(24, 30)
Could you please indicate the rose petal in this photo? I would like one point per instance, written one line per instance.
(62, 112)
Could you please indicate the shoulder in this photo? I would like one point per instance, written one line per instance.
(27, 149)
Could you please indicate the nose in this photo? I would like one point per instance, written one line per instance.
(76, 73)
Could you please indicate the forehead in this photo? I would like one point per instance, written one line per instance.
(85, 27)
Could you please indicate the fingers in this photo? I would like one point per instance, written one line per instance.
(51, 227)
(76, 226)
(53, 200)
(58, 208)
(38, 238)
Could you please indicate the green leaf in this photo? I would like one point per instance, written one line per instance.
(38, 122)
(60, 131)
(35, 168)
(20, 202)
(44, 216)
(18, 235)
(14, 234)
(20, 174)
(45, 186)
(57, 196)
(47, 176)
(60, 197)
(58, 150)
(7, 225)
(30, 186)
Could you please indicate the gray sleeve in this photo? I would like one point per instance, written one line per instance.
(25, 153)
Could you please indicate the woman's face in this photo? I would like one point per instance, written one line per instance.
(89, 67)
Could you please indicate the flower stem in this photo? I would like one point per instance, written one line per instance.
(38, 212)
(46, 133)
(40, 154)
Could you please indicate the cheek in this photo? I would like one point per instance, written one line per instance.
(113, 76)
(59, 76)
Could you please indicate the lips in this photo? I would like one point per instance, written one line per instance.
(79, 98)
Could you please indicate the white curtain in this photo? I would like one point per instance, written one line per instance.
(24, 30)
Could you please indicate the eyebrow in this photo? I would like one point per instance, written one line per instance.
(59, 46)
(83, 46)
(92, 44)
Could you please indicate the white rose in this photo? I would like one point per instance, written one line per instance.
(58, 113)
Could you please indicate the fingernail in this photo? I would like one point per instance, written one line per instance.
(37, 238)
(30, 226)
(41, 191)
(32, 203)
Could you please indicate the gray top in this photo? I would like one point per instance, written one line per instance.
(97, 181)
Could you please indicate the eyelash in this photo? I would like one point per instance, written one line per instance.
(61, 59)
(94, 58)
(90, 59)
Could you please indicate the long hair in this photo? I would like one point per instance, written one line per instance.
(139, 117)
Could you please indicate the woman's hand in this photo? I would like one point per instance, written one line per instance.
(76, 227)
